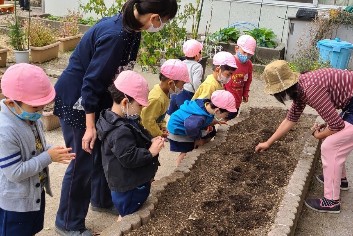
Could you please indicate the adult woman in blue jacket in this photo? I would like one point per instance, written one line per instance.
(82, 93)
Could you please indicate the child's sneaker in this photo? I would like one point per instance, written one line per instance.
(324, 205)
(344, 182)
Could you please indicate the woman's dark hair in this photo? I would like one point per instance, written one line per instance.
(164, 8)
(117, 95)
(291, 91)
(224, 67)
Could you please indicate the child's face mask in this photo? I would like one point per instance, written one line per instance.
(242, 58)
(153, 29)
(176, 89)
(223, 79)
(25, 115)
(133, 110)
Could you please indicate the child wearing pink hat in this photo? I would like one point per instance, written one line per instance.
(24, 154)
(130, 155)
(173, 76)
(223, 67)
(190, 126)
(192, 50)
(239, 85)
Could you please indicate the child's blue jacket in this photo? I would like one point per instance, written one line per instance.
(190, 119)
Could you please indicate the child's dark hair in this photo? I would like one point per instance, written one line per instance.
(162, 77)
(224, 67)
(164, 8)
(117, 95)
(192, 58)
(214, 107)
(291, 91)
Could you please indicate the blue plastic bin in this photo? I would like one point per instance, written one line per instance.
(335, 51)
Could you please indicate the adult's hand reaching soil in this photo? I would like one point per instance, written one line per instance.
(262, 147)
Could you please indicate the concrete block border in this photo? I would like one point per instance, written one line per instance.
(289, 208)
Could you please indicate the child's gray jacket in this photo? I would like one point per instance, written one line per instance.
(20, 189)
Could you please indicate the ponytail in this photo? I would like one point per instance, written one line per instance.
(164, 8)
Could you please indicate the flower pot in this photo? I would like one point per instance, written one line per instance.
(69, 43)
(21, 56)
(50, 121)
(3, 56)
(45, 53)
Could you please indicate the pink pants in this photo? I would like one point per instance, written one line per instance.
(334, 152)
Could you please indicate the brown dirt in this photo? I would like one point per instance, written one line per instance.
(231, 190)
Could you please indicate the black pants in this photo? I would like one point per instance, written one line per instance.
(24, 4)
(84, 182)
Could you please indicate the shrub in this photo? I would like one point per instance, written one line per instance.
(225, 35)
(40, 34)
(264, 37)
(18, 39)
(69, 25)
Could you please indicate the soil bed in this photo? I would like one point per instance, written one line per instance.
(231, 190)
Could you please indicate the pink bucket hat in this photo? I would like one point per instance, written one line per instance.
(224, 58)
(175, 69)
(192, 47)
(247, 43)
(133, 84)
(28, 84)
(223, 99)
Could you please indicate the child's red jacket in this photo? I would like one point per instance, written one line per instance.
(239, 85)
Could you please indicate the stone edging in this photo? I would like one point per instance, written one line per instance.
(288, 211)
(293, 199)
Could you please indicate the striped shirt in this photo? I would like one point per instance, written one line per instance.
(325, 90)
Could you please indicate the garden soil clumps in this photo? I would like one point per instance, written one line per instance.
(231, 190)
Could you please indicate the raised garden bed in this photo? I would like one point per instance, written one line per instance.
(231, 190)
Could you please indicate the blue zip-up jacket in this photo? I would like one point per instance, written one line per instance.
(191, 118)
(102, 52)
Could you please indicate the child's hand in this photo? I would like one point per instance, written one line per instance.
(61, 154)
(199, 143)
(245, 99)
(157, 145)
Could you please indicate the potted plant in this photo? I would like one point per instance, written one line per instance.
(43, 44)
(226, 37)
(69, 32)
(267, 48)
(19, 40)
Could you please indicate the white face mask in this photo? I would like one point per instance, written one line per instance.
(176, 91)
(130, 116)
(222, 79)
(152, 29)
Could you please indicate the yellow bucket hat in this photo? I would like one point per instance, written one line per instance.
(278, 77)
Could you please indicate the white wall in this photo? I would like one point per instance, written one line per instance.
(60, 8)
(273, 15)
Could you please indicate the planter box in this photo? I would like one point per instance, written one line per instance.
(46, 53)
(69, 43)
(265, 55)
(50, 121)
(3, 56)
